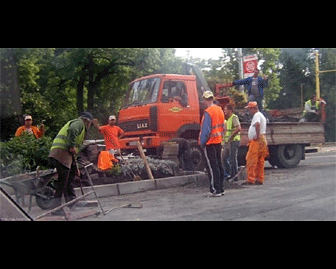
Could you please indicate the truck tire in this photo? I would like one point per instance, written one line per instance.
(196, 155)
(289, 156)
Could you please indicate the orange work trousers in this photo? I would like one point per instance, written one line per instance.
(255, 159)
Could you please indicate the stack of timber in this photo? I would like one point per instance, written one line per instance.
(281, 133)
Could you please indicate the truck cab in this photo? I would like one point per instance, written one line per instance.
(158, 108)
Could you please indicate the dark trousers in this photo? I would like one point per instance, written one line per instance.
(65, 182)
(214, 167)
(230, 158)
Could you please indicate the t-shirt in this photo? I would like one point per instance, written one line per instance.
(33, 130)
(111, 134)
(258, 117)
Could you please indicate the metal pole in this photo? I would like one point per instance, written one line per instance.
(240, 68)
(301, 95)
(317, 74)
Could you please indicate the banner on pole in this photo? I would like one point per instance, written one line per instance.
(250, 63)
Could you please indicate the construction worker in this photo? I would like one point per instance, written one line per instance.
(231, 142)
(255, 87)
(111, 133)
(62, 156)
(257, 152)
(211, 136)
(29, 128)
(312, 110)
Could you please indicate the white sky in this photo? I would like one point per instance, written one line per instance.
(204, 53)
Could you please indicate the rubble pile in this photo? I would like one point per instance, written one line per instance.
(128, 169)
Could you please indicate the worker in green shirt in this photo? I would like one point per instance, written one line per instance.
(62, 156)
(231, 142)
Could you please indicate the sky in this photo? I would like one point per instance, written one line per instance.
(204, 53)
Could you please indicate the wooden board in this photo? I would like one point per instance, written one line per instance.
(279, 133)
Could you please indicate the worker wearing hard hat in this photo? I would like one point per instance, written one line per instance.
(211, 136)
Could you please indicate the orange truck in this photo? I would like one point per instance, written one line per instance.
(163, 107)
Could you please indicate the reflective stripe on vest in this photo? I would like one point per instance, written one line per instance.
(230, 129)
(60, 140)
(217, 124)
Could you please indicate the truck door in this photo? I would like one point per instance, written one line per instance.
(174, 110)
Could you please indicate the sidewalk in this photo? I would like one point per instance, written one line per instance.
(326, 147)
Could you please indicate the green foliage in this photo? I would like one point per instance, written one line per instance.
(24, 153)
(56, 84)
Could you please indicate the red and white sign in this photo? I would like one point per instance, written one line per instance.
(250, 63)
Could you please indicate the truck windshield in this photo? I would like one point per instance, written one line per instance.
(143, 92)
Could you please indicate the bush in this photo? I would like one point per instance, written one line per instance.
(23, 154)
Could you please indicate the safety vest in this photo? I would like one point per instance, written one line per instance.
(313, 107)
(230, 129)
(217, 124)
(60, 140)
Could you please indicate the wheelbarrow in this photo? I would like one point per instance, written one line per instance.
(40, 184)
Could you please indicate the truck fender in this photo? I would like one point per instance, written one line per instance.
(189, 131)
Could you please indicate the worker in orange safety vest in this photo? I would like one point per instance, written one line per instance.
(211, 136)
(258, 150)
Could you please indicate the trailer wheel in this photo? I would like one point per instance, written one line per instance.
(289, 156)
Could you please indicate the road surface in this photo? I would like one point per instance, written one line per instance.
(306, 192)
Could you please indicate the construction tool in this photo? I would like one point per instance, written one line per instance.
(94, 191)
(79, 176)
(78, 173)
(143, 156)
(139, 205)
(62, 206)
(238, 174)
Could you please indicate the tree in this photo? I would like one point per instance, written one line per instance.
(295, 71)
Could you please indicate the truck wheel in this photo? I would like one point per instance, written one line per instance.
(196, 155)
(289, 156)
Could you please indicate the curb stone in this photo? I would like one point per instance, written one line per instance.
(144, 185)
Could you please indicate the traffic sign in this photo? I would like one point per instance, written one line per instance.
(250, 63)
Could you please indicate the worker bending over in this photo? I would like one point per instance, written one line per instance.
(62, 156)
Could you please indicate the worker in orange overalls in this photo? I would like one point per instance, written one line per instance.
(258, 150)
(210, 139)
